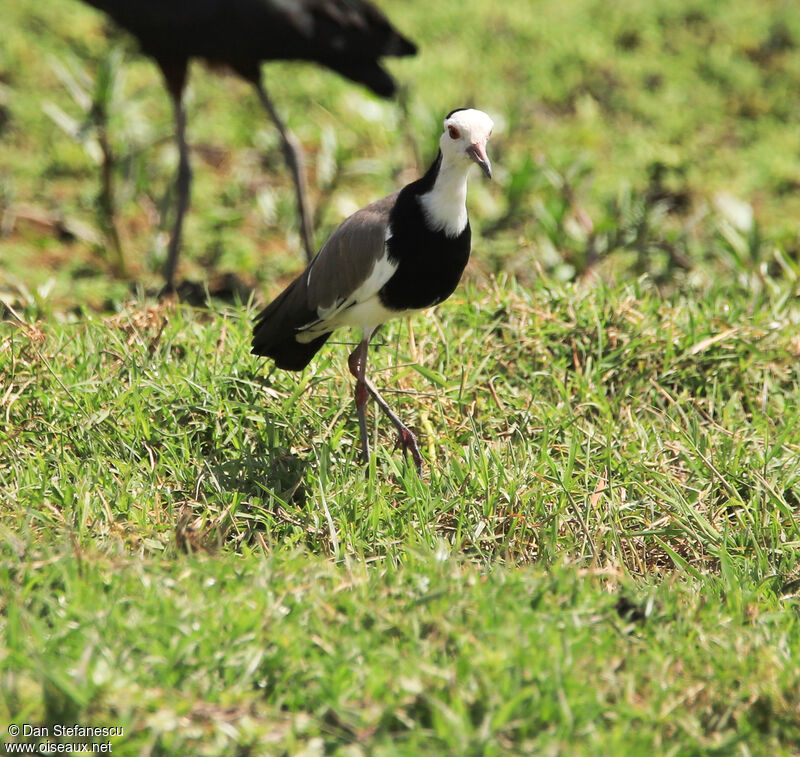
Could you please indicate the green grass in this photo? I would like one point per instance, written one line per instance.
(583, 445)
(601, 553)
(290, 654)
(668, 423)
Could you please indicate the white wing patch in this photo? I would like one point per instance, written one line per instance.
(362, 308)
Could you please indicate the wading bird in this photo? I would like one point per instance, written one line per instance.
(347, 36)
(403, 253)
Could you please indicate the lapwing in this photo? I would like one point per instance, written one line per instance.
(398, 255)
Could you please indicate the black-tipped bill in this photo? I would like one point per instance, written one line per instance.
(477, 152)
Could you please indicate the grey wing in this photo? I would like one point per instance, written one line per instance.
(346, 262)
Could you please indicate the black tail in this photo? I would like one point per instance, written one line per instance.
(366, 72)
(351, 36)
(291, 355)
(275, 330)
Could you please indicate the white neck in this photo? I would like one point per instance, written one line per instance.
(445, 205)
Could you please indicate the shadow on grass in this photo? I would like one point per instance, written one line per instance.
(253, 495)
(277, 473)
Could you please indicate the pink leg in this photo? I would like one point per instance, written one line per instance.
(406, 440)
(357, 362)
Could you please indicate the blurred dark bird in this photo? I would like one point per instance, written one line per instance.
(403, 253)
(347, 36)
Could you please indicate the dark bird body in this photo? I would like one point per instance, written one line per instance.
(403, 253)
(346, 36)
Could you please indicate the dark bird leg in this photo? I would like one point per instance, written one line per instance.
(183, 185)
(405, 438)
(293, 154)
(357, 363)
(175, 76)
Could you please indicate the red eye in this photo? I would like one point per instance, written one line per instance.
(453, 132)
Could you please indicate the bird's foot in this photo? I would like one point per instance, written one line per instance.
(169, 293)
(408, 443)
